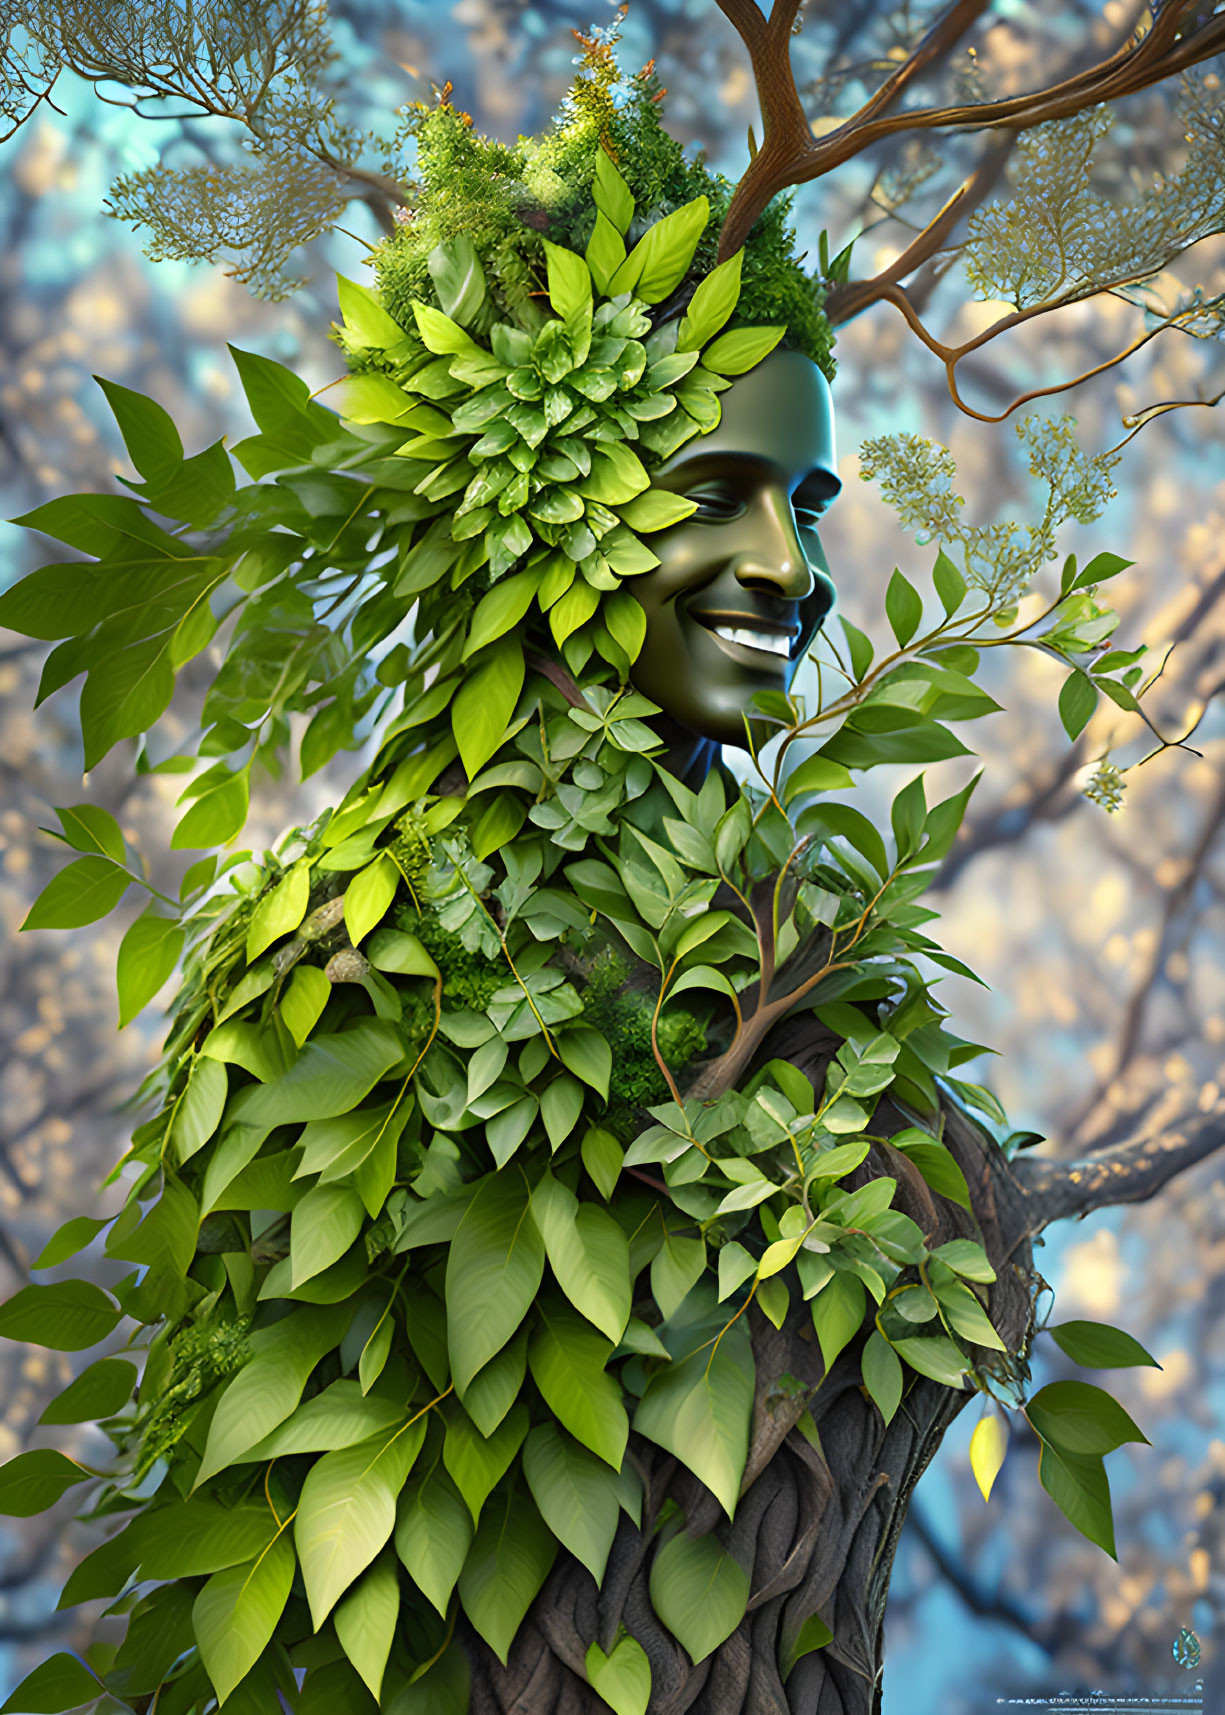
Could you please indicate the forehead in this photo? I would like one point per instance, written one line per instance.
(781, 415)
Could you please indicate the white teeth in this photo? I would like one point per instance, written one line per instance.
(769, 641)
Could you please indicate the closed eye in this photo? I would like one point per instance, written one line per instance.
(716, 503)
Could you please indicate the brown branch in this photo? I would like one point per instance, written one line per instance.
(1129, 1173)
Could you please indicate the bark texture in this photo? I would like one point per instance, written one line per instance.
(816, 1527)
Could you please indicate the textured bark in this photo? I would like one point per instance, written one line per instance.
(817, 1530)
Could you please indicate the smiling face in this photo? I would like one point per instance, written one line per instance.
(742, 588)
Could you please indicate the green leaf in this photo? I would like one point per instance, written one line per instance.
(72, 1237)
(340, 1416)
(603, 1158)
(267, 1389)
(479, 1462)
(485, 702)
(711, 305)
(622, 1679)
(78, 895)
(166, 1239)
(968, 1316)
(196, 1538)
(882, 1374)
(859, 647)
(1077, 701)
(676, 1268)
(1101, 567)
(655, 509)
(741, 350)
(365, 1621)
(814, 1634)
(852, 826)
(587, 1054)
(569, 280)
(32, 1482)
(699, 1592)
(605, 251)
(506, 1566)
(347, 1511)
(626, 621)
(280, 910)
(698, 1407)
(148, 954)
(237, 1611)
(368, 896)
(493, 1390)
(950, 585)
(323, 1225)
(502, 609)
(365, 316)
(1076, 1417)
(433, 1534)
(494, 1269)
(218, 811)
(148, 432)
(817, 774)
(332, 1074)
(577, 1495)
(588, 1253)
(197, 1112)
(903, 608)
(459, 281)
(1079, 1487)
(936, 1357)
(90, 828)
(443, 336)
(837, 1314)
(610, 192)
(67, 1316)
(1098, 1346)
(568, 1359)
(62, 1682)
(660, 260)
(304, 999)
(967, 1258)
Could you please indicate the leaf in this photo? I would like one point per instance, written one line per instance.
(322, 1227)
(197, 1112)
(1079, 1487)
(99, 1391)
(576, 1494)
(588, 1253)
(90, 828)
(368, 896)
(656, 509)
(267, 1389)
(622, 1679)
(479, 1462)
(711, 305)
(280, 910)
(949, 583)
(677, 1267)
(965, 1257)
(459, 282)
(602, 1157)
(217, 813)
(659, 261)
(62, 1682)
(1098, 1346)
(967, 1315)
(365, 1621)
(237, 1611)
(611, 195)
(441, 335)
(338, 1417)
(741, 350)
(67, 1316)
(605, 251)
(506, 1566)
(1101, 567)
(698, 1407)
(567, 1359)
(82, 893)
(502, 609)
(699, 1591)
(882, 1374)
(72, 1237)
(347, 1511)
(936, 1357)
(569, 280)
(494, 1269)
(303, 1001)
(32, 1482)
(1077, 1417)
(148, 954)
(837, 1314)
(433, 1535)
(485, 702)
(332, 1074)
(365, 316)
(1077, 701)
(148, 432)
(988, 1445)
(903, 608)
(587, 1054)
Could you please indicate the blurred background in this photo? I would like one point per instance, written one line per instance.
(1101, 937)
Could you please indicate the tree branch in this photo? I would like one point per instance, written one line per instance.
(1129, 1173)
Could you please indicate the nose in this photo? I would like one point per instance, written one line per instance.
(773, 560)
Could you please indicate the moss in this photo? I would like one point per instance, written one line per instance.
(623, 1018)
(201, 1355)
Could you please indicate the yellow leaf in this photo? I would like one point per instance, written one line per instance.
(988, 1444)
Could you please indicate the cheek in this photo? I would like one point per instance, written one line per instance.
(689, 559)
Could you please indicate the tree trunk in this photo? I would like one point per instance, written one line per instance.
(817, 1527)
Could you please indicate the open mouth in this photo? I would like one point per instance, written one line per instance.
(744, 642)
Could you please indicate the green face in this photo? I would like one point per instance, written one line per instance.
(743, 586)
